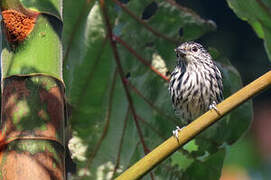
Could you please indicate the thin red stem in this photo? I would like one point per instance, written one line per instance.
(121, 142)
(121, 73)
(266, 9)
(141, 59)
(107, 121)
(151, 127)
(150, 103)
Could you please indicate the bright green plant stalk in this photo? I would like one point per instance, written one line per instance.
(172, 144)
(32, 141)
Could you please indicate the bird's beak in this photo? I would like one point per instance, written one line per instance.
(180, 52)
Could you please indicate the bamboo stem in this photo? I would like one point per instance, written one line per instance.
(169, 146)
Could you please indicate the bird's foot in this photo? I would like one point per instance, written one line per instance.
(176, 132)
(213, 107)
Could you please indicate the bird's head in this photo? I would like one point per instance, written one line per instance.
(191, 52)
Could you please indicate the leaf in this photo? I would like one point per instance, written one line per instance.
(258, 14)
(87, 63)
(101, 114)
(209, 169)
(52, 7)
(188, 168)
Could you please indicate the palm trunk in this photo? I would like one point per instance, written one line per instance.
(32, 115)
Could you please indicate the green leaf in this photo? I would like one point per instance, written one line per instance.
(52, 7)
(209, 169)
(258, 15)
(100, 112)
(87, 71)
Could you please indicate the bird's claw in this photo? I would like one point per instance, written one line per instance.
(213, 106)
(176, 132)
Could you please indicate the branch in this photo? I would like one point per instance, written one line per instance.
(169, 146)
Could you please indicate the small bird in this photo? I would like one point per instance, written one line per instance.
(195, 84)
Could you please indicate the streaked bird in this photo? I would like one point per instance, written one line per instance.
(196, 82)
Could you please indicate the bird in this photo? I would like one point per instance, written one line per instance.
(195, 84)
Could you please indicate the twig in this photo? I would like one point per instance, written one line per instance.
(194, 128)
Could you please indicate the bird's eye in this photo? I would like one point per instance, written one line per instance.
(195, 49)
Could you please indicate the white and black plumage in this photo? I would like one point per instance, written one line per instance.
(196, 82)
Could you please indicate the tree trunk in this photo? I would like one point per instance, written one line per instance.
(33, 113)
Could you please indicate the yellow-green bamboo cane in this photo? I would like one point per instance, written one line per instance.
(187, 133)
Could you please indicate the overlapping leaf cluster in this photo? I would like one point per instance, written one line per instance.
(100, 112)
